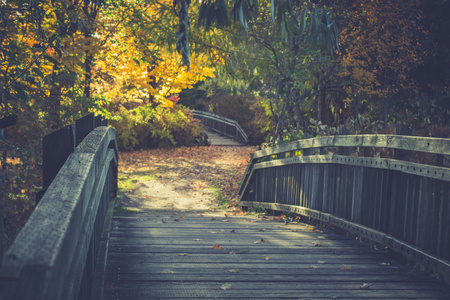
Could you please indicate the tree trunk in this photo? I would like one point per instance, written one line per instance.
(299, 119)
(54, 100)
(321, 105)
(152, 82)
(87, 74)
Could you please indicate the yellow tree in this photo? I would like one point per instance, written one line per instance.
(140, 67)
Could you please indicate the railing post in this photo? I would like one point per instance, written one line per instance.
(56, 148)
(344, 150)
(401, 129)
(309, 151)
(84, 126)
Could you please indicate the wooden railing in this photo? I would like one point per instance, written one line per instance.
(226, 126)
(400, 204)
(55, 254)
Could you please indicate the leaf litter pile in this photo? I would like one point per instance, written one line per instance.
(187, 178)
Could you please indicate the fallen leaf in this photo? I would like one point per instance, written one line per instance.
(265, 258)
(234, 271)
(164, 221)
(232, 252)
(197, 240)
(261, 229)
(232, 231)
(310, 227)
(314, 267)
(320, 262)
(318, 244)
(225, 286)
(345, 267)
(319, 231)
(213, 219)
(217, 247)
(365, 286)
(181, 217)
(183, 254)
(176, 220)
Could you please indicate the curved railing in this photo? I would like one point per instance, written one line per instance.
(226, 126)
(54, 255)
(401, 204)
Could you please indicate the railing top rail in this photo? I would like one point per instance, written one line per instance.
(222, 120)
(412, 143)
(45, 255)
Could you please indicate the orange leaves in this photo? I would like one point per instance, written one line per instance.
(217, 247)
(372, 49)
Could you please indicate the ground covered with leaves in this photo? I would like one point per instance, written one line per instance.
(186, 178)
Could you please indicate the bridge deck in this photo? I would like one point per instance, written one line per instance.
(170, 254)
(216, 139)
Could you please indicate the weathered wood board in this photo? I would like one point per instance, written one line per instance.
(171, 255)
(216, 139)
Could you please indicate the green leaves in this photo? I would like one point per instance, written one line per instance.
(244, 10)
(213, 13)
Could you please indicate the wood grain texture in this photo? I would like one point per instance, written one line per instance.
(162, 256)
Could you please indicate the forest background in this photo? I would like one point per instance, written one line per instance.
(281, 68)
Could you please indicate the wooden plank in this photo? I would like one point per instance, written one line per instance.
(145, 262)
(216, 139)
(83, 126)
(440, 173)
(57, 146)
(412, 143)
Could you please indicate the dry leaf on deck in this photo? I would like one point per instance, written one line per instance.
(365, 286)
(234, 271)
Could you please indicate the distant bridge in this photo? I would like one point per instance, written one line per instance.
(225, 126)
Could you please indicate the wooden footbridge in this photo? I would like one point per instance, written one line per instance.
(377, 212)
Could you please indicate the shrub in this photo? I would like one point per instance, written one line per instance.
(148, 127)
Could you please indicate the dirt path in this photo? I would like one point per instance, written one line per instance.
(180, 178)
